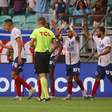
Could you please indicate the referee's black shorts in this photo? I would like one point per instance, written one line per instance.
(42, 62)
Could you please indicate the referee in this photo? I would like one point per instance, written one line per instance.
(42, 38)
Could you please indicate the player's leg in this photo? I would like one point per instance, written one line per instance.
(42, 71)
(76, 74)
(44, 86)
(17, 87)
(19, 80)
(80, 83)
(39, 87)
(52, 80)
(99, 75)
(69, 80)
(38, 78)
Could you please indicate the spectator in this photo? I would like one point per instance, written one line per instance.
(87, 2)
(4, 7)
(42, 8)
(69, 7)
(60, 9)
(19, 7)
(30, 6)
(53, 27)
(79, 12)
(76, 3)
(100, 10)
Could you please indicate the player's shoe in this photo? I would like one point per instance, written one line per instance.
(52, 97)
(38, 99)
(46, 99)
(69, 97)
(17, 98)
(43, 100)
(31, 92)
(90, 97)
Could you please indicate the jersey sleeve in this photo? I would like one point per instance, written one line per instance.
(33, 34)
(16, 33)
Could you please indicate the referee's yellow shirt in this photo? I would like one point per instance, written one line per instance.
(43, 38)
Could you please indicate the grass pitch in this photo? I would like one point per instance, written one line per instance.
(56, 105)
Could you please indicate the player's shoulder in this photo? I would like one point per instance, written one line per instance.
(107, 38)
(16, 30)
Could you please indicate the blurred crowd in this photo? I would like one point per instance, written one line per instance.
(58, 8)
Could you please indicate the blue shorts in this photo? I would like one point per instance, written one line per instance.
(18, 67)
(104, 71)
(73, 69)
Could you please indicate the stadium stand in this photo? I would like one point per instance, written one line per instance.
(19, 20)
(2, 18)
(30, 22)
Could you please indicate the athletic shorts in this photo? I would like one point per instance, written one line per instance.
(73, 69)
(18, 67)
(42, 62)
(104, 71)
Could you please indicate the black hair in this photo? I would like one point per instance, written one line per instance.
(9, 21)
(102, 29)
(42, 19)
(83, 4)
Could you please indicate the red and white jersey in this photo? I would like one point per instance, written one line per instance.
(101, 44)
(15, 33)
(4, 55)
(28, 53)
(72, 48)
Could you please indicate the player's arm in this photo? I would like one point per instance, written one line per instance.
(20, 44)
(33, 38)
(88, 35)
(106, 51)
(32, 42)
(55, 45)
(60, 49)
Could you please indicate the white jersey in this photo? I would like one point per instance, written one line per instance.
(15, 33)
(71, 50)
(101, 44)
(28, 53)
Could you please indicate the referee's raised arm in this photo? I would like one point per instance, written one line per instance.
(42, 38)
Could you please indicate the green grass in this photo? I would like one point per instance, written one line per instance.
(56, 105)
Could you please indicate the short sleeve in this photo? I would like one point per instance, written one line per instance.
(16, 33)
(33, 34)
